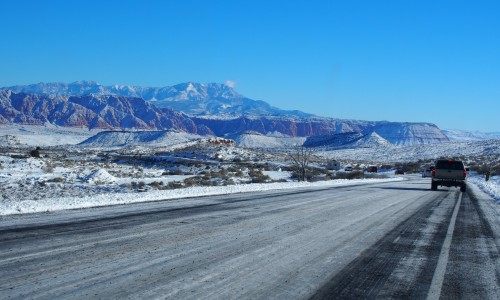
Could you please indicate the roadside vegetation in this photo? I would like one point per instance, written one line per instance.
(77, 171)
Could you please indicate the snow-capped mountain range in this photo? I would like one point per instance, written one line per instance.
(213, 109)
(190, 98)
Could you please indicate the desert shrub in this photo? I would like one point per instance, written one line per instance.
(42, 183)
(288, 168)
(205, 180)
(310, 173)
(222, 174)
(57, 179)
(173, 185)
(357, 174)
(280, 180)
(228, 182)
(239, 173)
(192, 181)
(483, 168)
(35, 153)
(258, 177)
(338, 175)
(295, 175)
(232, 169)
(209, 183)
(216, 174)
(156, 185)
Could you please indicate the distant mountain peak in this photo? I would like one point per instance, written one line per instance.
(190, 97)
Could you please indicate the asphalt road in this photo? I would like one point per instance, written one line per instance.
(393, 240)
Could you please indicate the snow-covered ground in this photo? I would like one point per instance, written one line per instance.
(48, 135)
(177, 166)
(8, 207)
(67, 177)
(491, 187)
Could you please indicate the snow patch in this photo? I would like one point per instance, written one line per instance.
(100, 176)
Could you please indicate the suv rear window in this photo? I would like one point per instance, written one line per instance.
(450, 164)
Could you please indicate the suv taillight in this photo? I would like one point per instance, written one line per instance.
(465, 173)
(433, 172)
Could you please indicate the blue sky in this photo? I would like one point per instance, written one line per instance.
(415, 61)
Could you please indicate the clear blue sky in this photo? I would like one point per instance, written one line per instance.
(425, 61)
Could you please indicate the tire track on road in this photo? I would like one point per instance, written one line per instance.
(367, 275)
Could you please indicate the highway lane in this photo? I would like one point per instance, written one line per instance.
(391, 240)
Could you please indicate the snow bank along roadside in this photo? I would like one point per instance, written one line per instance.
(11, 207)
(491, 187)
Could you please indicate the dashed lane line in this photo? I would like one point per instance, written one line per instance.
(438, 277)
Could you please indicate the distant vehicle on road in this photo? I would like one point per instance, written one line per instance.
(348, 169)
(427, 172)
(399, 171)
(371, 169)
(449, 173)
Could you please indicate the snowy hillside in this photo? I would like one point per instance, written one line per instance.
(409, 133)
(372, 140)
(349, 140)
(390, 154)
(135, 138)
(397, 133)
(47, 135)
(332, 141)
(261, 141)
(466, 136)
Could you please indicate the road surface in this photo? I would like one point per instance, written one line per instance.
(390, 240)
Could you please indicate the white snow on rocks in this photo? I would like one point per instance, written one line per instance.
(100, 176)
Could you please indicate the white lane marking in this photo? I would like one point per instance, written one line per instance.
(438, 277)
